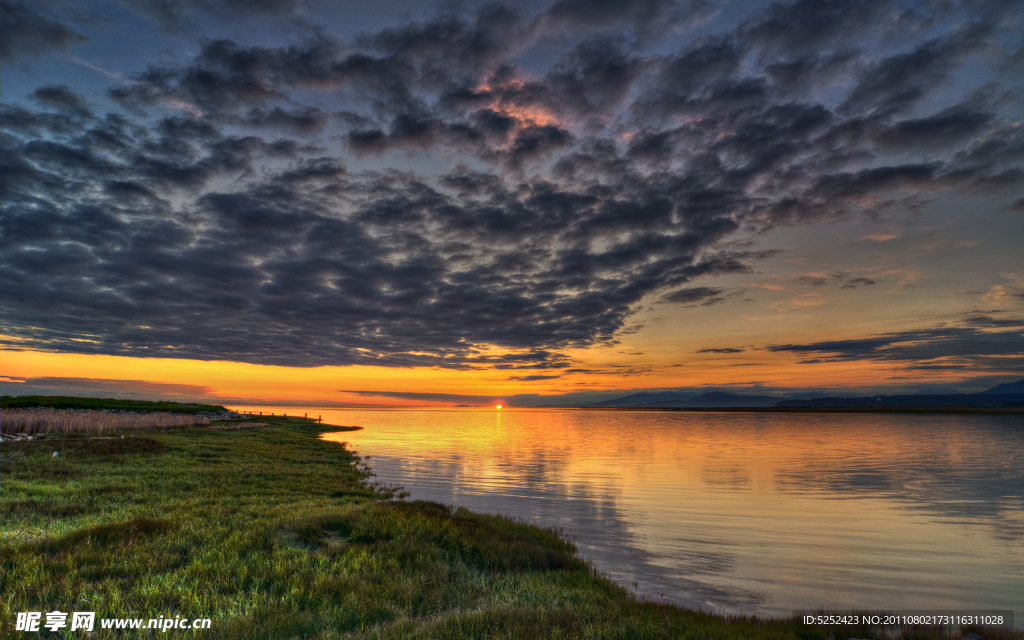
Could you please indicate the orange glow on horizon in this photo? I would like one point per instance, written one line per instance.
(241, 383)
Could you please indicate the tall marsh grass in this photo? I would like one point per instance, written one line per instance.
(43, 420)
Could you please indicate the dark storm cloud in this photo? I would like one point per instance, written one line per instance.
(700, 80)
(992, 162)
(428, 397)
(325, 168)
(27, 31)
(946, 128)
(790, 28)
(896, 84)
(853, 283)
(989, 320)
(302, 121)
(453, 43)
(542, 203)
(536, 142)
(954, 347)
(641, 17)
(172, 14)
(703, 295)
(411, 131)
(62, 98)
(856, 185)
(277, 274)
(809, 71)
(844, 280)
(593, 78)
(226, 76)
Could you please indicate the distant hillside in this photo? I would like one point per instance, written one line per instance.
(1004, 395)
(682, 400)
(646, 399)
(1008, 387)
(720, 400)
(992, 400)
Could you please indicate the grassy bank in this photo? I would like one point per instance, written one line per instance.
(273, 533)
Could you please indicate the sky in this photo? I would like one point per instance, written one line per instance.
(412, 203)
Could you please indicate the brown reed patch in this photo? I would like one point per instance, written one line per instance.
(45, 421)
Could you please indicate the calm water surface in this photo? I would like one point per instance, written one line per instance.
(738, 512)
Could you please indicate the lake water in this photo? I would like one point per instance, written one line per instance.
(748, 513)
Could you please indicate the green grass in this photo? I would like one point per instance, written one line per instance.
(69, 402)
(274, 533)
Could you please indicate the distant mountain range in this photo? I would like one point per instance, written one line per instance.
(1010, 394)
(645, 399)
(1009, 387)
(984, 399)
(677, 400)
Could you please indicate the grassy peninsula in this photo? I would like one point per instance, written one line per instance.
(273, 533)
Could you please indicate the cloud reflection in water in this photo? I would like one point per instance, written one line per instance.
(743, 512)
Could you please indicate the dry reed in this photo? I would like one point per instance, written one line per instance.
(40, 421)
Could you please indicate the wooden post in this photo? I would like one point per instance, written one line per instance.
(320, 419)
